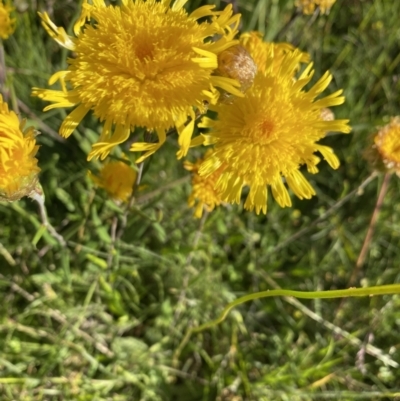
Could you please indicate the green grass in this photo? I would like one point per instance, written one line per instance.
(103, 318)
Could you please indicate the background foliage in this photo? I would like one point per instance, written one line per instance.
(102, 318)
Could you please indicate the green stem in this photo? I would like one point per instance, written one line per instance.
(350, 292)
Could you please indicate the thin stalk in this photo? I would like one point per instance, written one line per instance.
(368, 238)
(330, 211)
(350, 292)
(371, 229)
(124, 217)
(37, 195)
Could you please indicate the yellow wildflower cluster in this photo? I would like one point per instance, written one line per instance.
(18, 165)
(117, 178)
(151, 64)
(205, 195)
(308, 6)
(7, 24)
(387, 143)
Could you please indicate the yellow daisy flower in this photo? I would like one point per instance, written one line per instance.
(308, 6)
(7, 24)
(264, 138)
(144, 63)
(18, 165)
(117, 178)
(260, 50)
(387, 142)
(204, 196)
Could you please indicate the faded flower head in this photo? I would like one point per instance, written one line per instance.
(117, 179)
(204, 195)
(7, 24)
(260, 50)
(387, 143)
(327, 114)
(18, 165)
(236, 63)
(143, 63)
(308, 6)
(264, 138)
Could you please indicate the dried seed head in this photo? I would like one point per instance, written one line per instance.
(236, 63)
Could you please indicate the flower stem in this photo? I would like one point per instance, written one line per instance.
(38, 196)
(371, 229)
(350, 292)
(330, 211)
(368, 238)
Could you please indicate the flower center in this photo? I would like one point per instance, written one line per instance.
(144, 52)
(266, 128)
